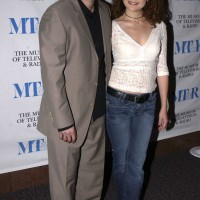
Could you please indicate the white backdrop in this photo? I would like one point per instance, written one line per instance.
(186, 29)
(21, 145)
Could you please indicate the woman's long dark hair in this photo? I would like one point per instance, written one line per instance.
(154, 11)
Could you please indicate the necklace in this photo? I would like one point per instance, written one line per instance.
(133, 17)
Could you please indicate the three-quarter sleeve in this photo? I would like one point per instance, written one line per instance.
(162, 68)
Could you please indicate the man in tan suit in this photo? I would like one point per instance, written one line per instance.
(75, 49)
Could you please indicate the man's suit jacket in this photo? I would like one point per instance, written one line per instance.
(69, 67)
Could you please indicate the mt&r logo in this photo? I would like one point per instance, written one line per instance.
(29, 89)
(24, 25)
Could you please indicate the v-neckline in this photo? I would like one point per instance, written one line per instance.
(119, 27)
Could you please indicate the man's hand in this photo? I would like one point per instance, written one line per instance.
(68, 135)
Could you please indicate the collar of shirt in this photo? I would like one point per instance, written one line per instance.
(86, 11)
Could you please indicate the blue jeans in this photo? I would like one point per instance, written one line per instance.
(129, 127)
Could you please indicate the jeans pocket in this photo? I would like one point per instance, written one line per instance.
(116, 109)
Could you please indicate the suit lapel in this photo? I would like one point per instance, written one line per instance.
(103, 24)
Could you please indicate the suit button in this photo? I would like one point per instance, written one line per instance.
(95, 84)
(91, 105)
(51, 116)
(97, 62)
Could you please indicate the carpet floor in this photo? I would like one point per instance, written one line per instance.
(171, 177)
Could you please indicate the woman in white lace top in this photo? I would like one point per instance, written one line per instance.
(139, 45)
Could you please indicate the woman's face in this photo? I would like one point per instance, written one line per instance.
(134, 5)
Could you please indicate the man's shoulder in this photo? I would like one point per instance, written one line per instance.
(60, 5)
(104, 4)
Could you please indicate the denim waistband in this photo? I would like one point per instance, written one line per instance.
(136, 98)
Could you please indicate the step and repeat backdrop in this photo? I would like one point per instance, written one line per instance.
(21, 145)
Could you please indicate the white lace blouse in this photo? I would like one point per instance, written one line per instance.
(136, 66)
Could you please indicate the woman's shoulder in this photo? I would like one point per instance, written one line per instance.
(162, 28)
(161, 25)
(121, 22)
(116, 22)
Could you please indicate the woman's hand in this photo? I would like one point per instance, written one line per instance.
(163, 120)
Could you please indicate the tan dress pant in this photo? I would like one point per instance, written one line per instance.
(77, 173)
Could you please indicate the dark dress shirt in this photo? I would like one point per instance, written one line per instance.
(94, 24)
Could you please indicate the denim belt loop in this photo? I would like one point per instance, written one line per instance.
(123, 95)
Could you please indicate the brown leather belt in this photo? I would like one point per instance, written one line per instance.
(136, 98)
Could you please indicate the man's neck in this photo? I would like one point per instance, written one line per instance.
(89, 4)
